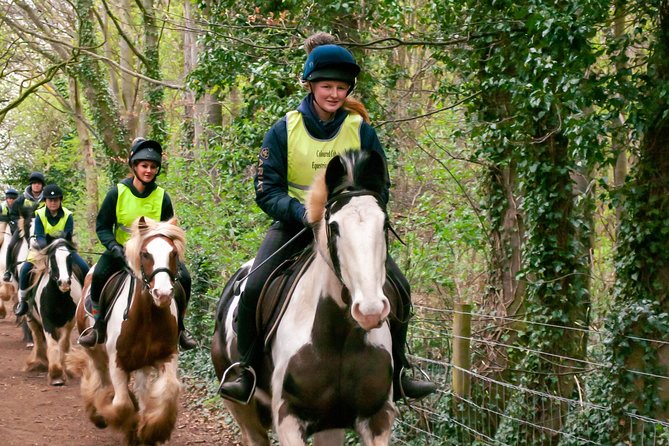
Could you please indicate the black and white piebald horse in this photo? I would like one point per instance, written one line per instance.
(329, 364)
(57, 288)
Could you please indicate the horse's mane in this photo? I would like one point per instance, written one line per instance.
(41, 256)
(316, 199)
(144, 228)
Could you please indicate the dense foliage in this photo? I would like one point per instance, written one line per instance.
(506, 126)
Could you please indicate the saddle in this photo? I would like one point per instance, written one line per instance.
(109, 294)
(276, 292)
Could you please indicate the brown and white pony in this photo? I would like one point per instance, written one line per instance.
(57, 291)
(141, 341)
(330, 366)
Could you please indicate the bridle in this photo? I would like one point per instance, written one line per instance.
(147, 278)
(332, 229)
(53, 263)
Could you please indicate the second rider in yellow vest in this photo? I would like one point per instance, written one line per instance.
(133, 197)
(51, 222)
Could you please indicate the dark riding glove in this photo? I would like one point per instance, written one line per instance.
(117, 252)
(305, 220)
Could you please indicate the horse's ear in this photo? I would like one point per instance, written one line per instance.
(335, 173)
(372, 172)
(141, 224)
(173, 221)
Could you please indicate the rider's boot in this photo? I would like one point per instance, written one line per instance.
(95, 334)
(242, 388)
(7, 277)
(22, 307)
(403, 385)
(186, 341)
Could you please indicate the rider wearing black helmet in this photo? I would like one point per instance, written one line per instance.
(25, 206)
(133, 197)
(326, 123)
(7, 213)
(53, 221)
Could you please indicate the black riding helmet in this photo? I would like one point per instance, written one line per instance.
(52, 191)
(36, 177)
(145, 150)
(11, 193)
(331, 62)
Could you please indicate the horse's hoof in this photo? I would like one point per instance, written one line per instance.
(29, 345)
(99, 422)
(58, 382)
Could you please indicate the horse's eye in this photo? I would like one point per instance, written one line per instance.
(146, 255)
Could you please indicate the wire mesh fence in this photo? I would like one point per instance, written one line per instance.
(481, 416)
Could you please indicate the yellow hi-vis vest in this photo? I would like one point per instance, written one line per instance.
(56, 230)
(307, 155)
(129, 208)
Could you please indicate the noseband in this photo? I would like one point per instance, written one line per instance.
(332, 229)
(147, 278)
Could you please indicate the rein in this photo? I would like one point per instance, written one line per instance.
(244, 277)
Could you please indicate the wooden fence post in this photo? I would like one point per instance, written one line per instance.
(462, 332)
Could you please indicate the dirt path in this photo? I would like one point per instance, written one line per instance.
(33, 413)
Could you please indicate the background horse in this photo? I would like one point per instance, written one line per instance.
(141, 340)
(57, 292)
(9, 290)
(8, 296)
(330, 364)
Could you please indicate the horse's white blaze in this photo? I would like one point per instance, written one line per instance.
(63, 279)
(361, 248)
(162, 289)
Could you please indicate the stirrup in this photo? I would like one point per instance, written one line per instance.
(223, 381)
(85, 333)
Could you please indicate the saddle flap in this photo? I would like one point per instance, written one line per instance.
(276, 293)
(109, 294)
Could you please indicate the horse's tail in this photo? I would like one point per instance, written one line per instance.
(161, 405)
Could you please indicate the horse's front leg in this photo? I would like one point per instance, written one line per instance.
(289, 428)
(37, 359)
(382, 422)
(122, 413)
(55, 353)
(158, 401)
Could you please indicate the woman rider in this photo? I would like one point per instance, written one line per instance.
(7, 212)
(25, 206)
(52, 222)
(133, 197)
(327, 122)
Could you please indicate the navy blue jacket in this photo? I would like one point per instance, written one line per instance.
(270, 181)
(42, 238)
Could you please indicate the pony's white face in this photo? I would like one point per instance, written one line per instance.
(158, 259)
(60, 269)
(358, 250)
